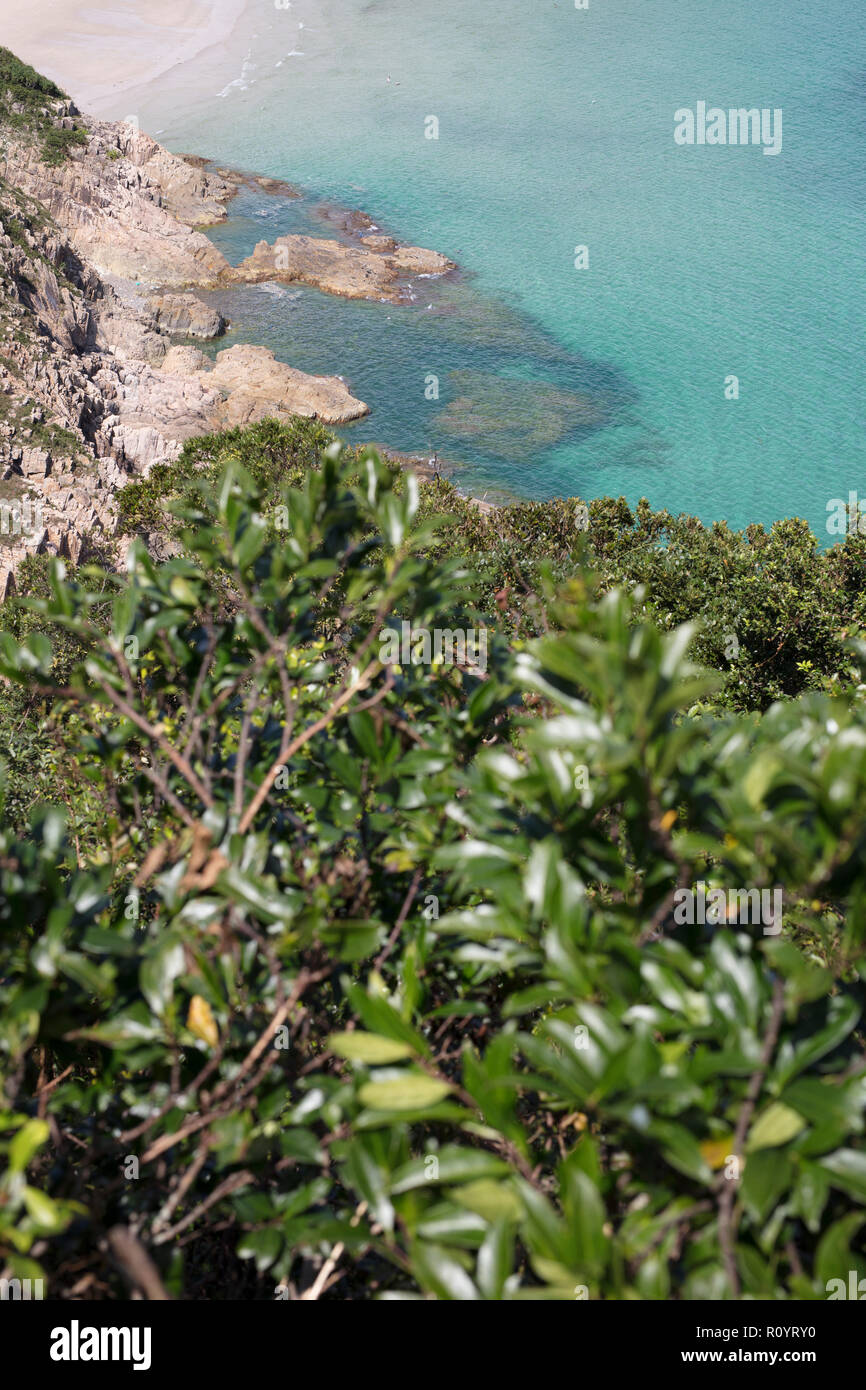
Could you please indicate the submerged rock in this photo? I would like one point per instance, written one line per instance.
(516, 417)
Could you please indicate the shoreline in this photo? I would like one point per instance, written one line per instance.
(77, 46)
(351, 224)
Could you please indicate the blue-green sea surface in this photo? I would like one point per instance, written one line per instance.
(556, 130)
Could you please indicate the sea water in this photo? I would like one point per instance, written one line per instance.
(632, 315)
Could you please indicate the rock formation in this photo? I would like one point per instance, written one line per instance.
(91, 387)
(124, 203)
(100, 255)
(186, 315)
(377, 268)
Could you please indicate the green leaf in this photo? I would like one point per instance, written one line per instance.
(370, 1181)
(159, 972)
(372, 1048)
(766, 1177)
(262, 1246)
(494, 1201)
(846, 1169)
(448, 1165)
(843, 1013)
(495, 1260)
(811, 1193)
(30, 1137)
(439, 1272)
(46, 1213)
(777, 1125)
(414, 1091)
(834, 1258)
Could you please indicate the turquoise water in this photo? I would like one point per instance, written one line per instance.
(556, 129)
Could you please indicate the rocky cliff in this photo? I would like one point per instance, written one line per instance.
(100, 258)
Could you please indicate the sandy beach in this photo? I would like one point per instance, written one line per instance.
(96, 51)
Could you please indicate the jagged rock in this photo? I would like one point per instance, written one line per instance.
(126, 328)
(186, 314)
(35, 463)
(57, 312)
(189, 191)
(122, 215)
(153, 410)
(184, 360)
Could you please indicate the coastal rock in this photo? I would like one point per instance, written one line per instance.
(66, 318)
(354, 272)
(151, 411)
(351, 221)
(239, 178)
(187, 188)
(125, 328)
(257, 385)
(96, 254)
(185, 314)
(379, 243)
(183, 361)
(117, 211)
(90, 366)
(415, 260)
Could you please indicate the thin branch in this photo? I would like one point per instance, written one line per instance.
(398, 925)
(290, 748)
(136, 1265)
(727, 1231)
(318, 1286)
(231, 1184)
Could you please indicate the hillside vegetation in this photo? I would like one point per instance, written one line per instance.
(29, 101)
(325, 974)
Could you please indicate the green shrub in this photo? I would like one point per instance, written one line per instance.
(775, 614)
(379, 968)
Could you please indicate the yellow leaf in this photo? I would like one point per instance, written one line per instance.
(201, 1021)
(668, 819)
(715, 1151)
(399, 861)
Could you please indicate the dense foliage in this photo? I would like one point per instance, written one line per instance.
(775, 613)
(355, 977)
